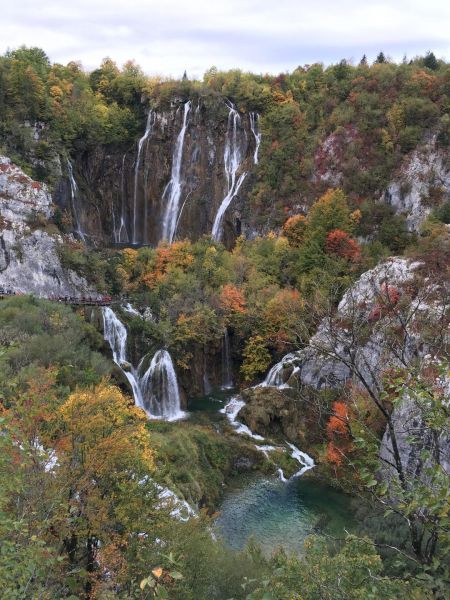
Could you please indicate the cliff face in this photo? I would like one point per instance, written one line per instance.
(29, 260)
(171, 183)
(394, 316)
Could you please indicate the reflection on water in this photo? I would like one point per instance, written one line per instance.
(281, 514)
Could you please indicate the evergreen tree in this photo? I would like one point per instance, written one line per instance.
(380, 58)
(430, 61)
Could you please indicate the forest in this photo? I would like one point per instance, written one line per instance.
(324, 311)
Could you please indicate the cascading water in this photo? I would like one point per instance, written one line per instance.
(254, 126)
(115, 334)
(74, 196)
(151, 118)
(233, 156)
(160, 388)
(274, 377)
(232, 409)
(121, 235)
(156, 391)
(172, 192)
(227, 376)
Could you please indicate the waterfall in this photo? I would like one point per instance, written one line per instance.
(231, 410)
(232, 159)
(227, 376)
(274, 377)
(157, 390)
(115, 334)
(121, 236)
(160, 388)
(172, 192)
(254, 126)
(206, 382)
(303, 459)
(151, 118)
(74, 197)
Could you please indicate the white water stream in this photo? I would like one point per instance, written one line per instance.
(172, 193)
(233, 157)
(151, 118)
(74, 197)
(156, 390)
(254, 126)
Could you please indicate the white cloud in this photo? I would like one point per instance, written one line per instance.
(264, 36)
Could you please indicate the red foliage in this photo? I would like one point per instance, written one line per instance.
(338, 433)
(341, 244)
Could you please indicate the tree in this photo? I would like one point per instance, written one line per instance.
(430, 61)
(407, 388)
(380, 58)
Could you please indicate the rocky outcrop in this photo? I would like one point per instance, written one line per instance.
(29, 260)
(269, 411)
(421, 184)
(121, 190)
(394, 316)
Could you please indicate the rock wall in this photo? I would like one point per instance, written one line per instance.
(29, 260)
(395, 315)
(421, 184)
(121, 190)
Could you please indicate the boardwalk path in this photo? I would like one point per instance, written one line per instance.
(72, 300)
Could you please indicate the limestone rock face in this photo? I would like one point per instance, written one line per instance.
(363, 339)
(29, 261)
(412, 436)
(421, 184)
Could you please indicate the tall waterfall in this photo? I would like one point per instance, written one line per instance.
(172, 192)
(121, 235)
(254, 126)
(227, 375)
(233, 156)
(151, 118)
(160, 388)
(74, 197)
(156, 391)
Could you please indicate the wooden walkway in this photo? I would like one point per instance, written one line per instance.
(71, 300)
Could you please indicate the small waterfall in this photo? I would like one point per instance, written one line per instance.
(74, 196)
(254, 126)
(151, 118)
(157, 390)
(274, 377)
(206, 383)
(172, 192)
(232, 159)
(231, 410)
(303, 459)
(115, 334)
(227, 375)
(160, 388)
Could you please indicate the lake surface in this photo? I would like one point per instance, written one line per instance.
(281, 514)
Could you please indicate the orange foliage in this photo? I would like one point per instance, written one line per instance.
(232, 299)
(338, 434)
(294, 229)
(338, 242)
(175, 256)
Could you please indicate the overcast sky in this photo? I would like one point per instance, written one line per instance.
(168, 36)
